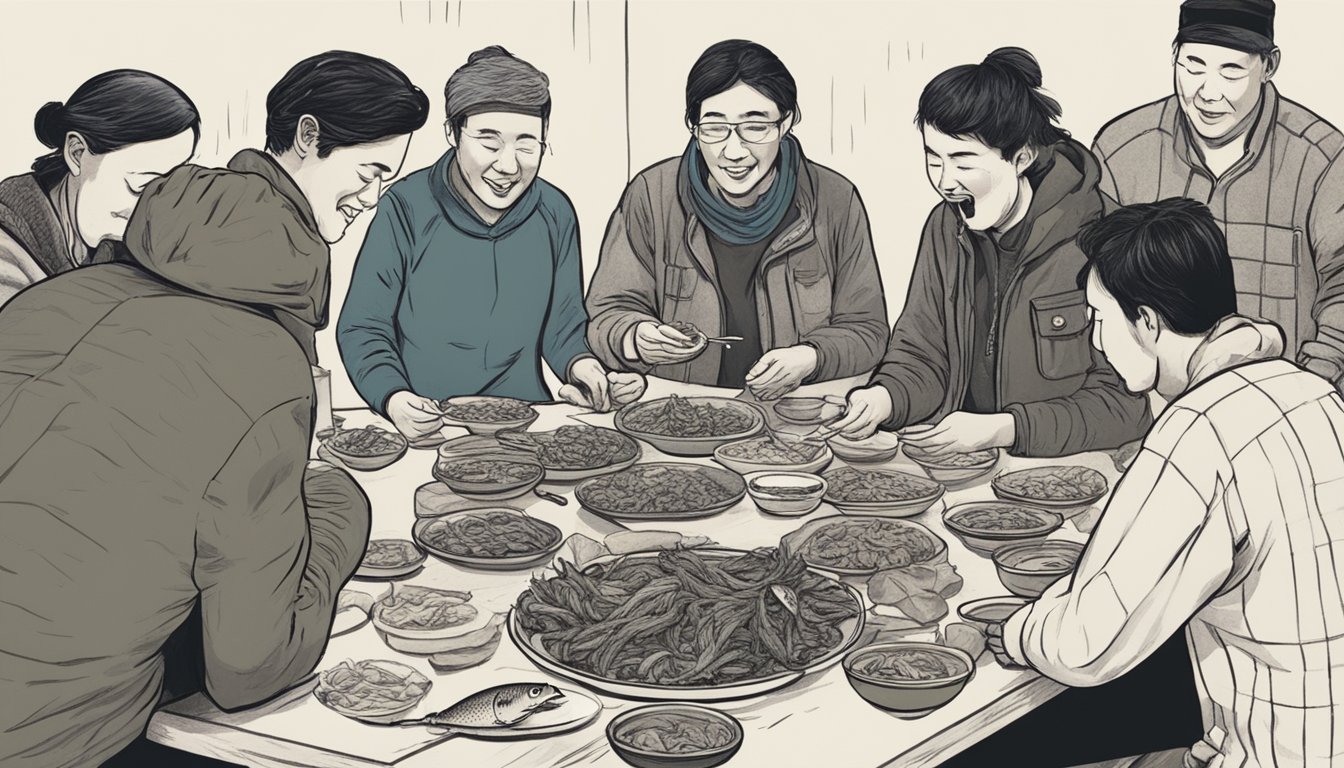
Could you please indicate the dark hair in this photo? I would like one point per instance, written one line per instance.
(998, 102)
(725, 64)
(1169, 256)
(356, 99)
(112, 110)
(495, 80)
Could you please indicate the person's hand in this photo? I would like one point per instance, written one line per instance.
(962, 432)
(659, 344)
(994, 641)
(414, 416)
(780, 371)
(625, 388)
(588, 385)
(865, 411)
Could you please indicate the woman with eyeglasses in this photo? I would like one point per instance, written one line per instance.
(741, 236)
(470, 275)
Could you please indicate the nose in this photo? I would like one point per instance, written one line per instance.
(368, 196)
(734, 148)
(947, 181)
(507, 162)
(1208, 90)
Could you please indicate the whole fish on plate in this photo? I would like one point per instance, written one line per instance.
(498, 707)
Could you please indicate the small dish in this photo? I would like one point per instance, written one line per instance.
(960, 468)
(624, 730)
(344, 684)
(724, 455)
(882, 446)
(909, 697)
(962, 520)
(483, 427)
(788, 494)
(342, 444)
(390, 559)
(1028, 569)
(988, 611)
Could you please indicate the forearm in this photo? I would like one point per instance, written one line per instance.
(848, 348)
(916, 384)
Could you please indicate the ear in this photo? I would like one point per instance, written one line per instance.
(305, 136)
(1272, 61)
(1024, 159)
(75, 151)
(787, 125)
(1149, 324)
(448, 133)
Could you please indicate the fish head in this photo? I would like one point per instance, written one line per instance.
(541, 696)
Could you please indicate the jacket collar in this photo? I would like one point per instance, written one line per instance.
(265, 166)
(460, 213)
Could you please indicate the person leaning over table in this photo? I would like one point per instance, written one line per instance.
(118, 131)
(740, 236)
(991, 347)
(1269, 168)
(1222, 525)
(470, 274)
(156, 418)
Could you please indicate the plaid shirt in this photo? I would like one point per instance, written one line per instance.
(1231, 519)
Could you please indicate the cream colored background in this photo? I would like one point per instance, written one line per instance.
(859, 65)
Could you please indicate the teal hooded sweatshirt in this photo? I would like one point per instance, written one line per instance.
(443, 304)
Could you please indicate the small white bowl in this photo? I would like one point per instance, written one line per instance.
(810, 491)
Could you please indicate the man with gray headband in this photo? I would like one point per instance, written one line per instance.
(470, 274)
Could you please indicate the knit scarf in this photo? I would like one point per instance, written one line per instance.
(728, 222)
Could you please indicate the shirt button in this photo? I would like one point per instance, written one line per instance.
(1057, 321)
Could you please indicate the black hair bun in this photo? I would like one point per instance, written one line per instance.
(1018, 62)
(49, 124)
(488, 53)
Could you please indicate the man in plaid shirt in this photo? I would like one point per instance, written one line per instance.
(1231, 518)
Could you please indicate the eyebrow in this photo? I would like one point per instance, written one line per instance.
(144, 173)
(379, 166)
(1195, 60)
(754, 113)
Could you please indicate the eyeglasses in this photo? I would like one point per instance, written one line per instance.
(753, 132)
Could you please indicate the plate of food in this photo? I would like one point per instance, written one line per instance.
(482, 415)
(675, 736)
(366, 449)
(862, 546)
(423, 620)
(1066, 490)
(689, 426)
(662, 491)
(495, 539)
(882, 492)
(575, 452)
(716, 624)
(770, 452)
(489, 477)
(390, 559)
(371, 689)
(987, 526)
(955, 467)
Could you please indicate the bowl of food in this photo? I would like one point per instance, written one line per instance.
(882, 446)
(862, 546)
(689, 426)
(1028, 569)
(990, 611)
(493, 539)
(489, 477)
(422, 620)
(987, 526)
(808, 411)
(675, 736)
(482, 415)
(789, 494)
(772, 453)
(367, 449)
(371, 689)
(1066, 490)
(907, 677)
(956, 467)
(881, 492)
(390, 559)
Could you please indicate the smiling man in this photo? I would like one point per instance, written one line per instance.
(991, 349)
(1267, 167)
(470, 275)
(742, 236)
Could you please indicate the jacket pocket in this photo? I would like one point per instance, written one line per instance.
(812, 287)
(1059, 323)
(678, 288)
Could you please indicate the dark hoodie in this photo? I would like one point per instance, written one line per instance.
(1063, 396)
(155, 423)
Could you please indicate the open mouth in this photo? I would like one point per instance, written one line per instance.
(500, 188)
(1210, 117)
(349, 213)
(965, 202)
(736, 172)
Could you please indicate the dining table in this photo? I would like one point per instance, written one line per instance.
(818, 720)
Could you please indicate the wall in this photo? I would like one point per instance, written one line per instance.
(860, 67)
